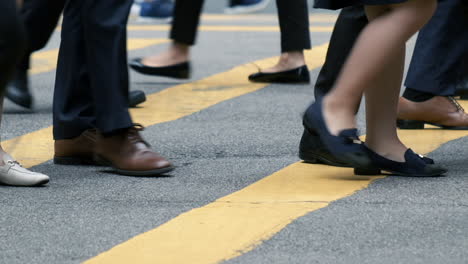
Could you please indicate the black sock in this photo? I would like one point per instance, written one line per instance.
(417, 96)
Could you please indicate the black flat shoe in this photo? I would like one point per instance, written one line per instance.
(298, 75)
(17, 90)
(313, 151)
(136, 97)
(346, 147)
(414, 166)
(178, 71)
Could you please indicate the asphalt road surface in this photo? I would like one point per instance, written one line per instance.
(239, 193)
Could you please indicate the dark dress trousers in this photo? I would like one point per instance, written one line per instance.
(348, 26)
(12, 41)
(439, 60)
(40, 18)
(91, 88)
(293, 20)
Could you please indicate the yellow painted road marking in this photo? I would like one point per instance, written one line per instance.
(170, 104)
(185, 99)
(226, 28)
(237, 223)
(315, 18)
(45, 61)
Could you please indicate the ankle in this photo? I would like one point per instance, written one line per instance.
(179, 51)
(337, 116)
(338, 106)
(292, 59)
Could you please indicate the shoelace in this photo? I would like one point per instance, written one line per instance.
(455, 103)
(134, 135)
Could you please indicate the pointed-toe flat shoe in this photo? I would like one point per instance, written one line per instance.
(297, 75)
(177, 71)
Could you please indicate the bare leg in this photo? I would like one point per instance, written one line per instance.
(287, 61)
(380, 42)
(381, 111)
(176, 53)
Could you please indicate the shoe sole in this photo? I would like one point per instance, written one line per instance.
(151, 20)
(310, 158)
(75, 161)
(155, 172)
(373, 172)
(183, 75)
(43, 182)
(278, 81)
(141, 98)
(40, 183)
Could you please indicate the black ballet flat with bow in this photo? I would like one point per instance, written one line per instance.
(177, 71)
(297, 75)
(415, 165)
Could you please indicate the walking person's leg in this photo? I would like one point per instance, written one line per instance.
(348, 26)
(12, 46)
(295, 38)
(174, 61)
(380, 44)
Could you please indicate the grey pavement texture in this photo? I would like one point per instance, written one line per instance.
(219, 150)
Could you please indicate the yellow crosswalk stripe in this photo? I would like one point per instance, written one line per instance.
(45, 61)
(314, 18)
(226, 28)
(170, 104)
(237, 223)
(185, 99)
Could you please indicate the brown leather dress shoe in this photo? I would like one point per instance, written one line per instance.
(76, 151)
(441, 111)
(129, 154)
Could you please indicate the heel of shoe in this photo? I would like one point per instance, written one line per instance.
(307, 158)
(307, 142)
(305, 75)
(410, 124)
(74, 161)
(366, 171)
(101, 161)
(184, 75)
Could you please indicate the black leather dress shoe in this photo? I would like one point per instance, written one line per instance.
(298, 75)
(136, 97)
(178, 71)
(18, 90)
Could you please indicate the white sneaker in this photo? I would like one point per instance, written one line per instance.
(12, 173)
